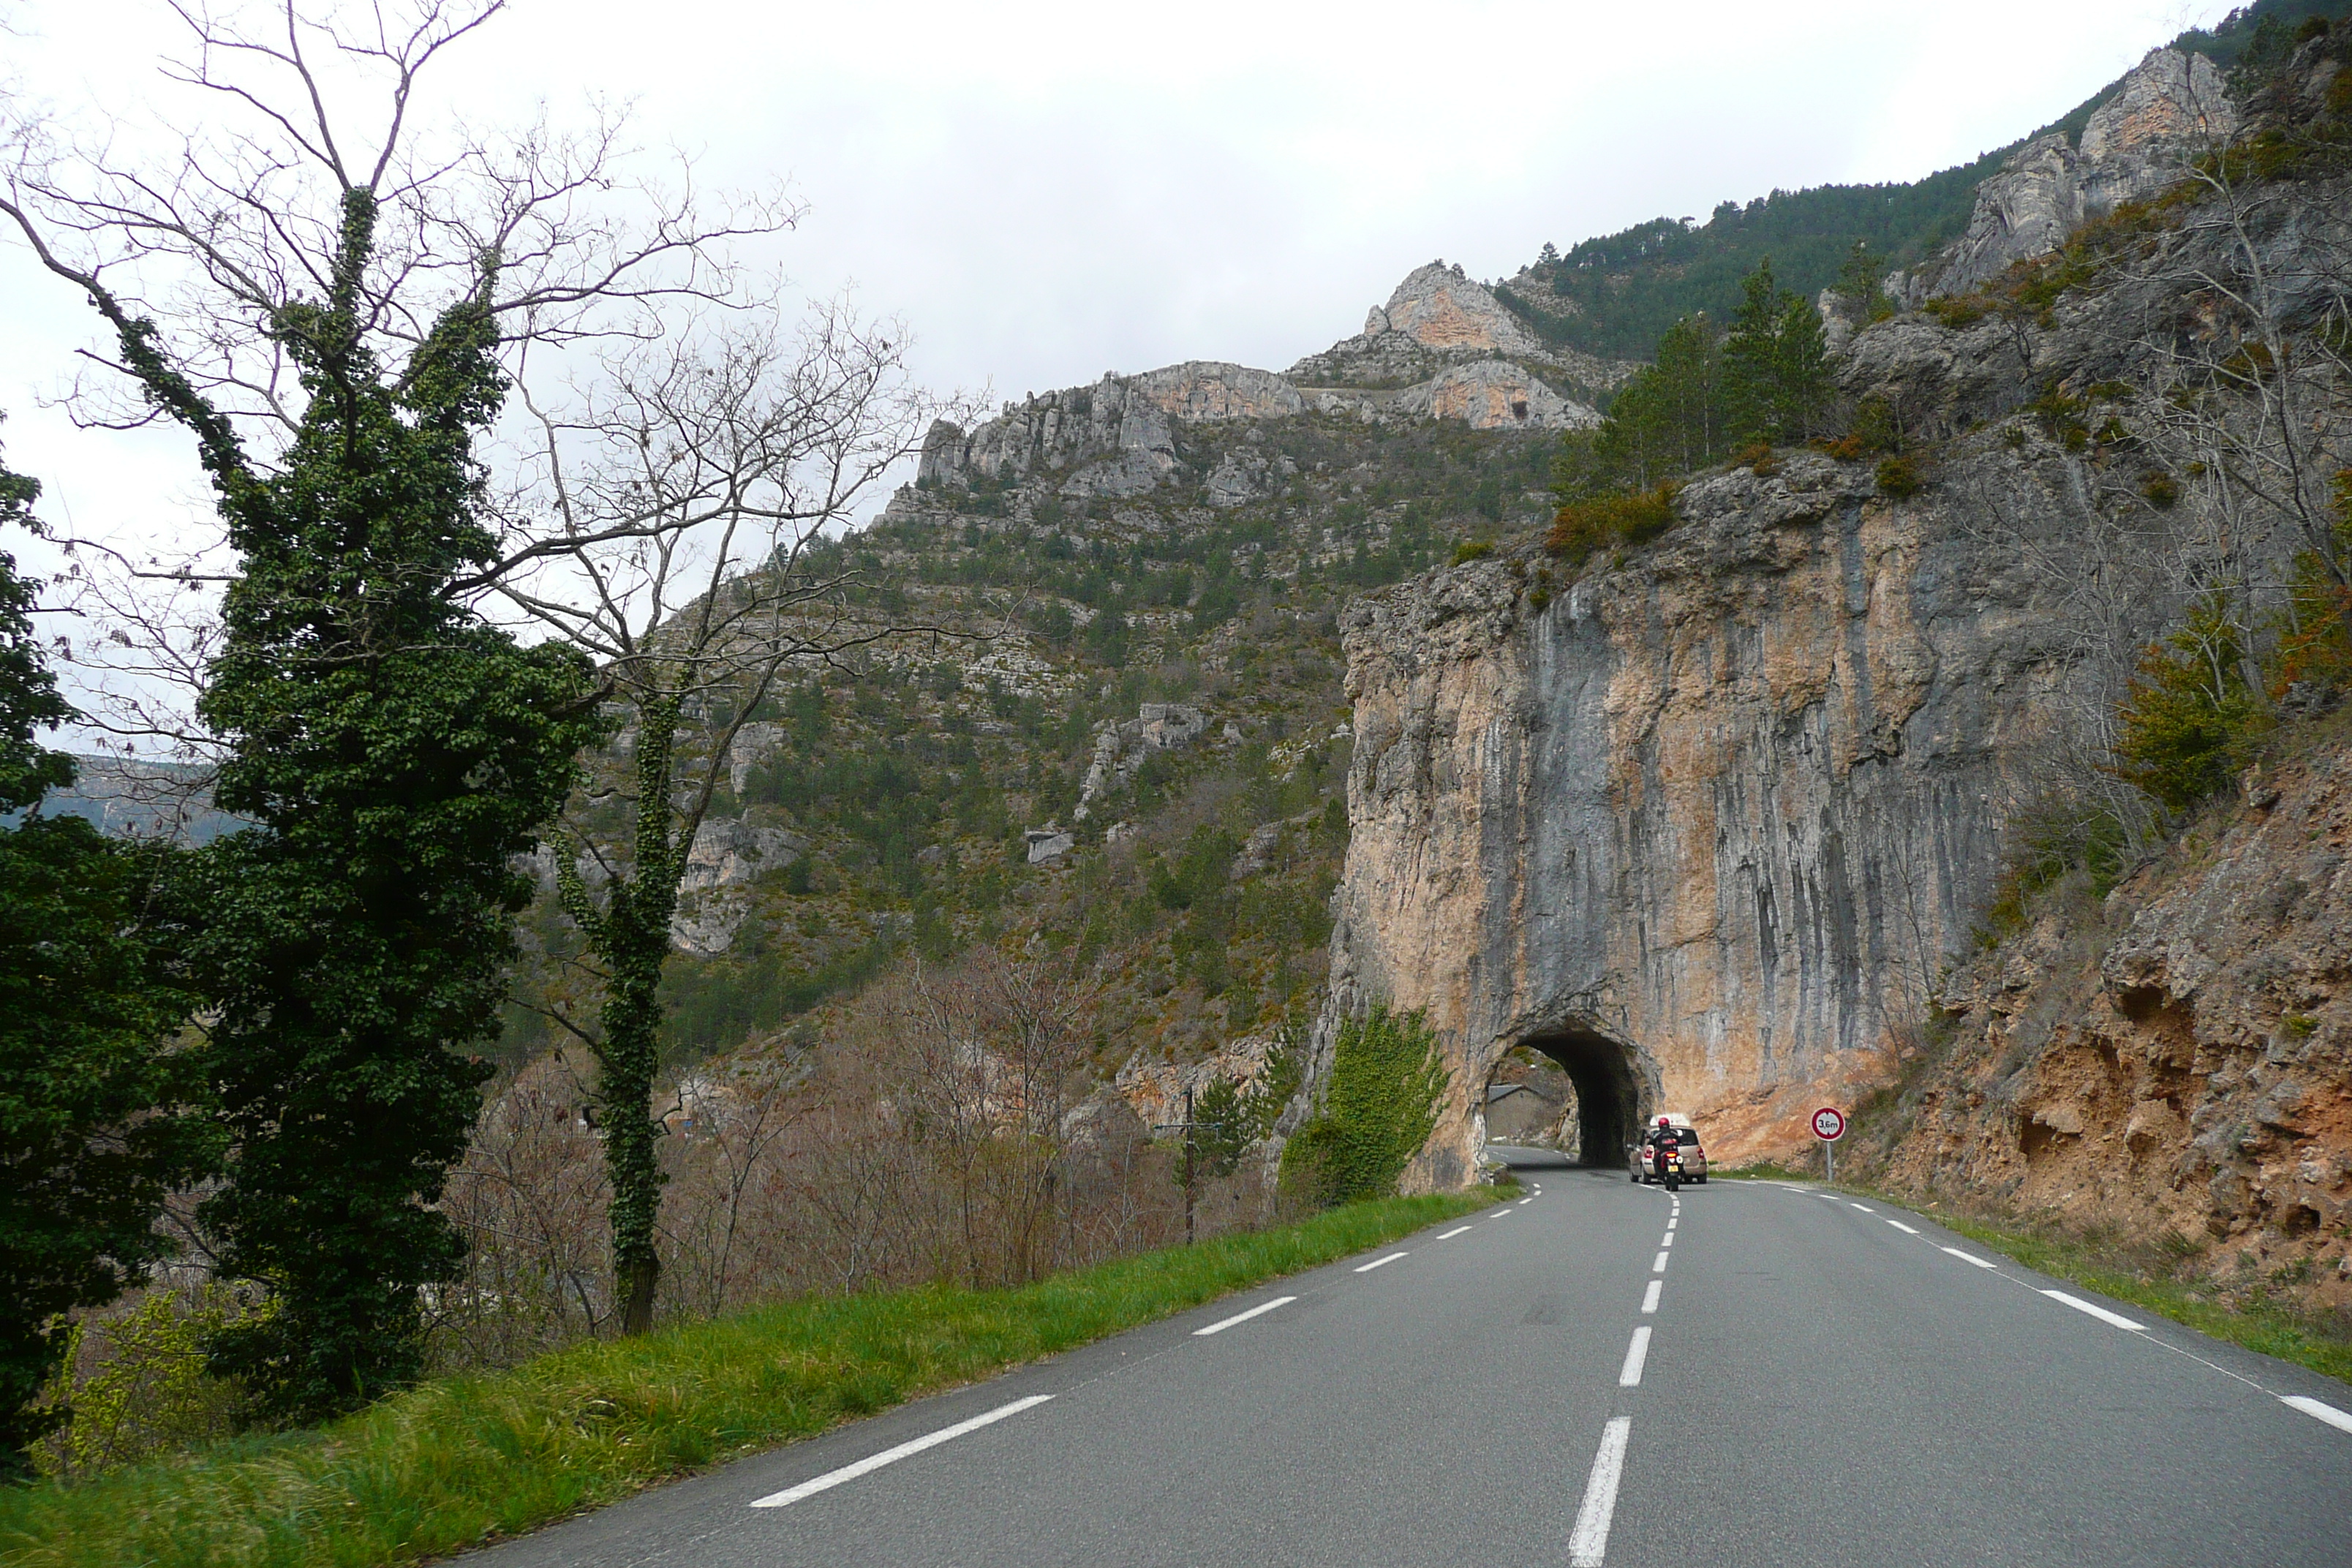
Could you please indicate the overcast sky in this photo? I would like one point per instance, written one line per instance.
(1050, 191)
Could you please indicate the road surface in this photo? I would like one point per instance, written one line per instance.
(1593, 1372)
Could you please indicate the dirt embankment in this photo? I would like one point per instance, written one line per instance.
(2172, 1065)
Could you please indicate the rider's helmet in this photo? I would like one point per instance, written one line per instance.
(1666, 1122)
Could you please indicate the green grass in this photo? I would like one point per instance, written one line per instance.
(2262, 1325)
(2142, 1276)
(466, 1460)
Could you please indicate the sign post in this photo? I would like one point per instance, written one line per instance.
(1829, 1126)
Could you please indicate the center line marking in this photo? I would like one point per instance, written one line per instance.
(1864, 1207)
(1667, 1239)
(1590, 1539)
(1674, 1221)
(2320, 1408)
(1967, 1258)
(1449, 1235)
(1220, 1327)
(1901, 1226)
(1629, 1374)
(1660, 1266)
(1367, 1268)
(2095, 1310)
(1525, 1202)
(1650, 1296)
(892, 1456)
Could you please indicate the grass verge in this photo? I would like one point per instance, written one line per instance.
(466, 1460)
(2269, 1327)
(2243, 1314)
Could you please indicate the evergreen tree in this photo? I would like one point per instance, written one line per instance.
(1858, 286)
(396, 755)
(93, 1125)
(1667, 421)
(1776, 376)
(2191, 715)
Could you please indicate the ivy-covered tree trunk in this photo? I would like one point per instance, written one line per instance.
(631, 934)
(395, 754)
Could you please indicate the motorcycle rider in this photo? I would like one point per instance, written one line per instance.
(1662, 1138)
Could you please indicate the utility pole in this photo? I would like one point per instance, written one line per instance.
(1191, 1147)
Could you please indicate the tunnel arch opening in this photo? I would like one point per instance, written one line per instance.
(1609, 1098)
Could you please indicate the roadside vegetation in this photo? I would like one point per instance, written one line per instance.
(461, 1461)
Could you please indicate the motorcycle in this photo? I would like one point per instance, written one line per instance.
(1671, 1163)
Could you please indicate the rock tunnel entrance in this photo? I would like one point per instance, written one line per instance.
(1608, 1092)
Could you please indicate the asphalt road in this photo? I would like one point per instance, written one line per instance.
(1812, 1384)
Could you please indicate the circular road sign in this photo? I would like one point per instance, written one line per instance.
(1828, 1124)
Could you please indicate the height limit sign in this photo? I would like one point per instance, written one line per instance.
(1829, 1126)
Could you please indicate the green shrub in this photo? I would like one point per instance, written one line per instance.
(1965, 310)
(1377, 1110)
(1900, 478)
(2160, 490)
(2190, 719)
(1584, 527)
(1473, 550)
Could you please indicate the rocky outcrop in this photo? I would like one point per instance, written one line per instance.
(1120, 748)
(1443, 348)
(2176, 1058)
(1439, 317)
(1705, 823)
(2167, 109)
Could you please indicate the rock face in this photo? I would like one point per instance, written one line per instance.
(1703, 824)
(2178, 1060)
(2170, 107)
(1119, 749)
(1444, 347)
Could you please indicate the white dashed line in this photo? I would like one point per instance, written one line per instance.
(1901, 1226)
(1650, 1296)
(904, 1450)
(1449, 1235)
(1375, 1263)
(1500, 1214)
(1660, 1266)
(1629, 1374)
(1588, 1541)
(1965, 1257)
(1220, 1327)
(1674, 1221)
(2320, 1408)
(1864, 1207)
(1667, 1239)
(2094, 1310)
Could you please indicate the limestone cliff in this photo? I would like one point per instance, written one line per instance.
(2167, 109)
(1704, 823)
(1443, 348)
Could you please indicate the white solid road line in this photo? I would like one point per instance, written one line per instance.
(892, 1456)
(1629, 1374)
(1901, 1226)
(2096, 1311)
(1965, 1257)
(2320, 1408)
(1367, 1268)
(1449, 1235)
(1650, 1296)
(1660, 1266)
(1588, 1542)
(1220, 1327)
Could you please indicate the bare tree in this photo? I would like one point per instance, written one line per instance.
(669, 529)
(217, 253)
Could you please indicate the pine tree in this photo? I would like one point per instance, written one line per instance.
(1776, 376)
